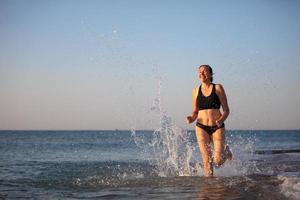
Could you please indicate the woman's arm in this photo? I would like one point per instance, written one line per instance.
(223, 99)
(194, 115)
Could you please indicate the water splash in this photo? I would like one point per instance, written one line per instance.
(244, 162)
(170, 145)
(290, 186)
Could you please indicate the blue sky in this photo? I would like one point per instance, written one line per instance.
(97, 64)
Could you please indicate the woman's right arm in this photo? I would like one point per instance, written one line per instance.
(194, 114)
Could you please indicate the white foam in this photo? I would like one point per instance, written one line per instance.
(170, 149)
(242, 164)
(290, 186)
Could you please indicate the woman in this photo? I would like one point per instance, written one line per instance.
(210, 127)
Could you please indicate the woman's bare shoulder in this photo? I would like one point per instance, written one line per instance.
(219, 87)
(195, 90)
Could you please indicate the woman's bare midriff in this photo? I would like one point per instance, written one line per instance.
(208, 117)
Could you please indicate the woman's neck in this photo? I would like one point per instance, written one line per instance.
(206, 84)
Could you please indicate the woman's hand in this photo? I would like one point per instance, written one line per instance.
(219, 122)
(189, 119)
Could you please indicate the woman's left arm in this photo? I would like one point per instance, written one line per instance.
(223, 99)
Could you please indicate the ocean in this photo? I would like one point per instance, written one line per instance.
(136, 164)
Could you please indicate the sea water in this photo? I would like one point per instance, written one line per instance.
(112, 164)
(163, 163)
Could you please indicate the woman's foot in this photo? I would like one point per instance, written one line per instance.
(208, 173)
(209, 170)
(228, 153)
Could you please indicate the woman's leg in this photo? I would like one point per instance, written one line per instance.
(204, 141)
(221, 152)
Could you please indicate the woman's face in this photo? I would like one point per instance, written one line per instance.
(204, 74)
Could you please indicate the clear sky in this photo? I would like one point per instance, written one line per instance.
(71, 64)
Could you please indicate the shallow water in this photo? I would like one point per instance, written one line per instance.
(110, 165)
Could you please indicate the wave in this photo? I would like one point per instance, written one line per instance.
(142, 177)
(290, 186)
(277, 151)
(125, 185)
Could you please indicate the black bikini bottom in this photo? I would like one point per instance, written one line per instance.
(209, 129)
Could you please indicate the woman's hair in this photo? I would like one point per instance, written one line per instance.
(210, 70)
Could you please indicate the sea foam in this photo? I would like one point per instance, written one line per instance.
(290, 186)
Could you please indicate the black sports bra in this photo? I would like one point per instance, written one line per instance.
(210, 102)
